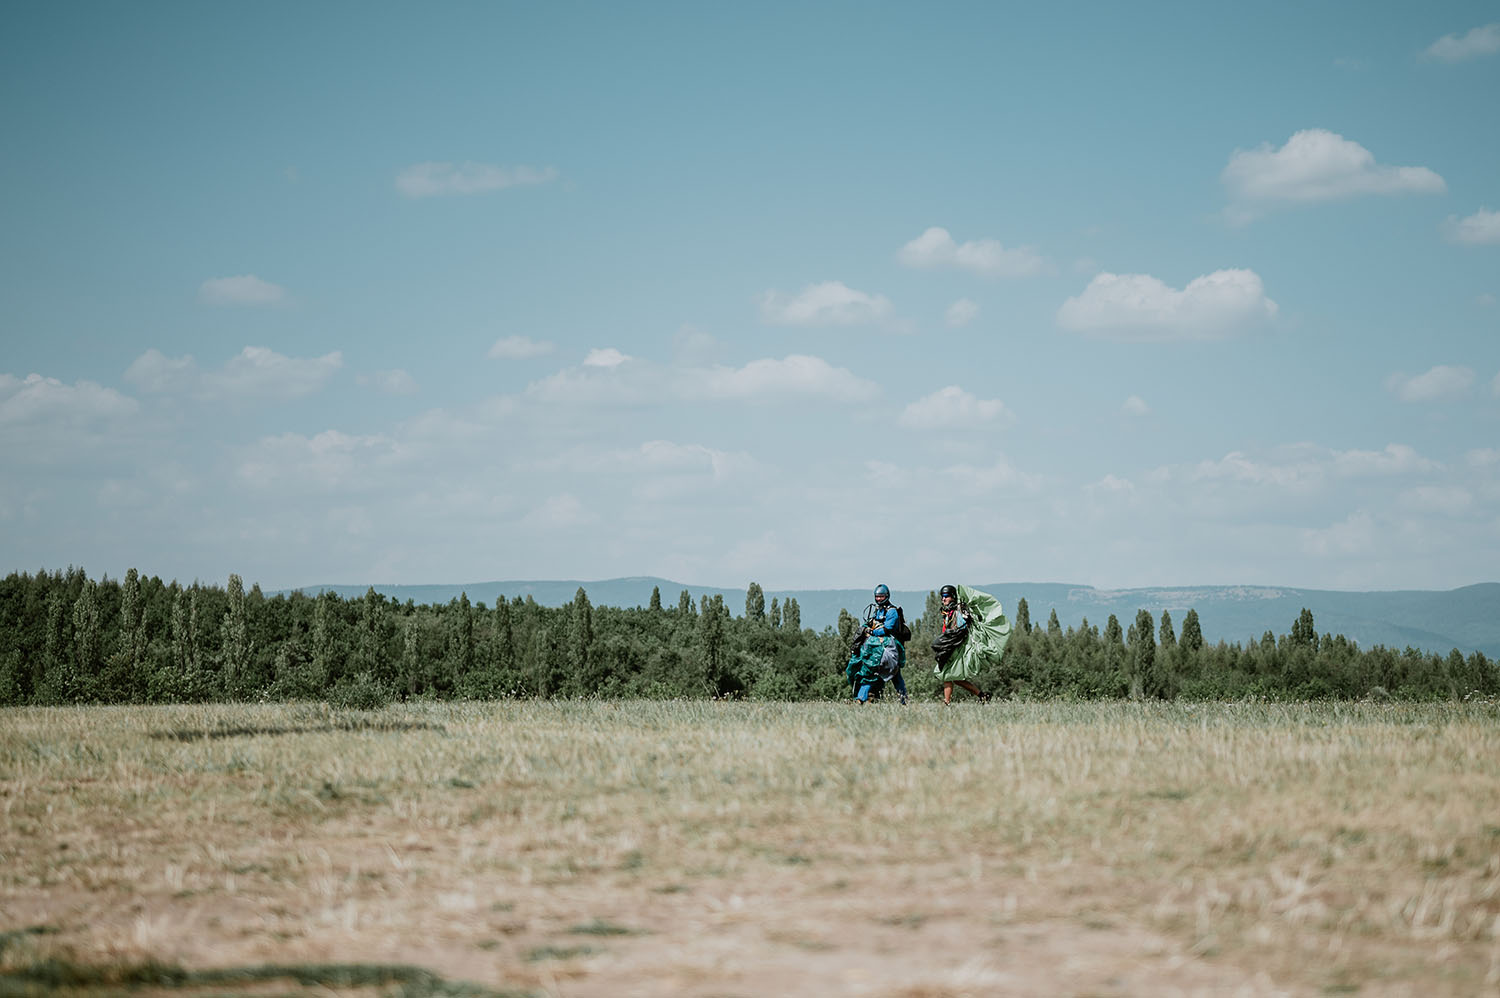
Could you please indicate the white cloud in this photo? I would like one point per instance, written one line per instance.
(1000, 476)
(393, 382)
(1318, 165)
(606, 357)
(1356, 534)
(1111, 484)
(1477, 42)
(1395, 459)
(517, 348)
(961, 313)
(797, 374)
(950, 407)
(261, 371)
(1480, 229)
(424, 180)
(1449, 500)
(155, 372)
(324, 462)
(559, 513)
(1141, 307)
(36, 399)
(1238, 467)
(254, 371)
(1483, 457)
(830, 303)
(987, 257)
(1441, 382)
(246, 289)
(1135, 406)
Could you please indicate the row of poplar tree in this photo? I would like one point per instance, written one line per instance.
(66, 638)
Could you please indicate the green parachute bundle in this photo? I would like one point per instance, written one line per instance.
(989, 630)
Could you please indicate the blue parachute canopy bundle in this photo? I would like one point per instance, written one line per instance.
(988, 631)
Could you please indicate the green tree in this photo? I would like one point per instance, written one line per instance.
(755, 604)
(1054, 626)
(1023, 616)
(88, 642)
(581, 645)
(711, 630)
(655, 599)
(57, 683)
(1304, 633)
(1142, 653)
(775, 613)
(1165, 637)
(1192, 634)
(685, 604)
(235, 638)
(791, 615)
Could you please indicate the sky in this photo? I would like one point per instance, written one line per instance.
(815, 295)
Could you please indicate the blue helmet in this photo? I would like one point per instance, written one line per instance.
(882, 593)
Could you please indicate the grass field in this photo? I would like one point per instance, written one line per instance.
(666, 848)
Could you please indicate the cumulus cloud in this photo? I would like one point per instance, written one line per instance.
(961, 313)
(606, 357)
(830, 303)
(1237, 466)
(425, 180)
(1449, 500)
(1135, 406)
(1441, 382)
(1000, 476)
(1356, 534)
(1319, 165)
(1110, 485)
(796, 374)
(948, 407)
(1477, 42)
(323, 462)
(1480, 229)
(1141, 307)
(36, 399)
(987, 257)
(393, 382)
(156, 373)
(255, 371)
(1395, 459)
(517, 348)
(246, 289)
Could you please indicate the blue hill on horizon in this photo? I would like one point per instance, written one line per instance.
(1467, 618)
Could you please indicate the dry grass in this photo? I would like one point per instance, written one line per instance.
(700, 848)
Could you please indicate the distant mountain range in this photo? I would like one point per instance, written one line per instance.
(1467, 619)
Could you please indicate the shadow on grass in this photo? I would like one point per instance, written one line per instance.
(71, 980)
(249, 731)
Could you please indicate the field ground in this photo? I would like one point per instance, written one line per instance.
(716, 849)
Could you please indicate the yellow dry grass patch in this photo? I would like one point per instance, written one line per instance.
(701, 848)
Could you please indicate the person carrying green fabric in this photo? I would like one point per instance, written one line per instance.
(974, 633)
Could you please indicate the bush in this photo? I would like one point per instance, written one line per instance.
(360, 693)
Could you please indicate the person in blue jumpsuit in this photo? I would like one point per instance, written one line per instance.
(867, 670)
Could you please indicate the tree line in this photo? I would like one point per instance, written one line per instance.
(66, 638)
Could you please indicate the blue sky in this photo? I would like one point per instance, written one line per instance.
(814, 295)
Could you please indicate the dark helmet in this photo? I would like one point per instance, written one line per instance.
(947, 592)
(882, 593)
